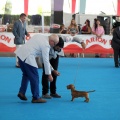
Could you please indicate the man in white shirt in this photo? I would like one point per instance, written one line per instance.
(38, 45)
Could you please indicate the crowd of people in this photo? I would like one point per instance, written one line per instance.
(98, 30)
(73, 28)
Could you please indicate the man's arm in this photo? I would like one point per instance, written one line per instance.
(45, 57)
(79, 40)
(47, 66)
(26, 33)
(15, 27)
(83, 45)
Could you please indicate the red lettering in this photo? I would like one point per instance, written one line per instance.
(101, 40)
(97, 39)
(88, 41)
(104, 41)
(92, 39)
(7, 39)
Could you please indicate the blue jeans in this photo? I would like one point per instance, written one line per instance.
(30, 73)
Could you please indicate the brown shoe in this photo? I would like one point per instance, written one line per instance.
(40, 100)
(22, 96)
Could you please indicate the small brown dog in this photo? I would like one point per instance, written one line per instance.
(76, 94)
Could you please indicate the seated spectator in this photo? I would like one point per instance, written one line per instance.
(97, 30)
(86, 29)
(63, 30)
(73, 28)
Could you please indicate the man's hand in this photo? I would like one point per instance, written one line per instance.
(83, 45)
(55, 72)
(50, 78)
(28, 35)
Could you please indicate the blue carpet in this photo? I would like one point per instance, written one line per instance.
(86, 73)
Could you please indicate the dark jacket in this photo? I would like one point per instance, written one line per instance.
(115, 43)
(19, 32)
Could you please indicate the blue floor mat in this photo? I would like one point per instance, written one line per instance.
(85, 73)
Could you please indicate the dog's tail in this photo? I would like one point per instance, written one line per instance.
(91, 91)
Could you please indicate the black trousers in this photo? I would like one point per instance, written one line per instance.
(116, 55)
(45, 82)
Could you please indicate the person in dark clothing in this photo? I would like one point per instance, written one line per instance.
(116, 24)
(54, 61)
(115, 43)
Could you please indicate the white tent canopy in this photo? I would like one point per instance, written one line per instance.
(109, 7)
(38, 6)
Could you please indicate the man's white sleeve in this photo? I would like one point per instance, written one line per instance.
(77, 39)
(45, 56)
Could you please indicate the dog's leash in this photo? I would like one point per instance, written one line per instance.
(76, 73)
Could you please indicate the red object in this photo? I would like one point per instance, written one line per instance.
(118, 8)
(84, 28)
(4, 48)
(93, 49)
(26, 7)
(72, 49)
(73, 6)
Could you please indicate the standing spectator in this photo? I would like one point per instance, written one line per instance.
(37, 46)
(117, 22)
(115, 43)
(19, 31)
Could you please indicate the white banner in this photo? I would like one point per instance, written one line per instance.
(91, 41)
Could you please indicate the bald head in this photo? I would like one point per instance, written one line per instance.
(53, 40)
